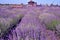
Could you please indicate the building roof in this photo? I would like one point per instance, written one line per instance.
(32, 2)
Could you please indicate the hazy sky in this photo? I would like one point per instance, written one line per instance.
(25, 1)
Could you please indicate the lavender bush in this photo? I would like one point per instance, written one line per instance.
(49, 20)
(32, 23)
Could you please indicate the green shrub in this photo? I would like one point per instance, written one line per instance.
(52, 24)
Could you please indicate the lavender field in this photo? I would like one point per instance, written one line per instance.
(29, 23)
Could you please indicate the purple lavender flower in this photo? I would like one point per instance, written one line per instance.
(48, 35)
(29, 26)
(49, 20)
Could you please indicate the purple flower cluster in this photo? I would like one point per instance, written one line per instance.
(31, 23)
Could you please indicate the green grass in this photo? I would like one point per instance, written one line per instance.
(52, 24)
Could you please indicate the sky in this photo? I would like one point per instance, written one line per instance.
(26, 1)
